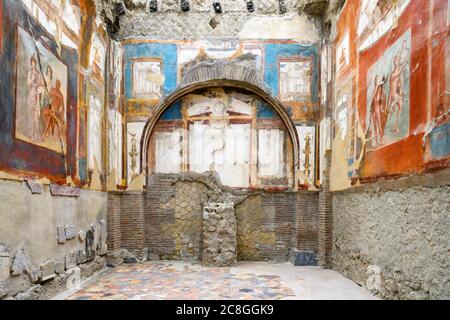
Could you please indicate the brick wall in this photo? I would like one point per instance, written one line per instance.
(132, 222)
(113, 221)
(159, 190)
(125, 222)
(166, 219)
(307, 224)
(325, 216)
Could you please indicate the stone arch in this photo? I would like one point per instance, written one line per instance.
(224, 75)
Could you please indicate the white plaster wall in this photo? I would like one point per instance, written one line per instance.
(271, 153)
(168, 152)
(225, 150)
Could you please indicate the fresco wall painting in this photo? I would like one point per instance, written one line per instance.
(291, 72)
(147, 79)
(38, 98)
(41, 104)
(377, 18)
(295, 80)
(95, 94)
(220, 130)
(97, 55)
(324, 145)
(343, 54)
(391, 62)
(438, 130)
(307, 138)
(1, 25)
(115, 145)
(388, 94)
(134, 135)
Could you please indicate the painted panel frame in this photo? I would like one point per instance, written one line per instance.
(143, 97)
(308, 98)
(45, 124)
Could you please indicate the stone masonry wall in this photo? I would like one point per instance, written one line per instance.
(394, 237)
(219, 235)
(269, 223)
(201, 22)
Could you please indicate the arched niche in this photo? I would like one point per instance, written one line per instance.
(240, 85)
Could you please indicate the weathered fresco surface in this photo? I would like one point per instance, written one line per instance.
(45, 123)
(231, 132)
(30, 129)
(52, 95)
(41, 102)
(290, 71)
(388, 95)
(391, 133)
(396, 121)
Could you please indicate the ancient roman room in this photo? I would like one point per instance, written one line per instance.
(224, 149)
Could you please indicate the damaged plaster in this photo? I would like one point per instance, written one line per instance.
(294, 26)
(169, 22)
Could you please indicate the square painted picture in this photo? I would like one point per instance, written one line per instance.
(41, 95)
(147, 80)
(295, 81)
(388, 94)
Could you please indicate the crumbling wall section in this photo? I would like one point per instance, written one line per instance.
(219, 235)
(300, 19)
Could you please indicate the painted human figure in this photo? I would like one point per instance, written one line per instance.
(54, 111)
(396, 92)
(404, 53)
(94, 147)
(377, 108)
(49, 120)
(57, 101)
(35, 90)
(215, 133)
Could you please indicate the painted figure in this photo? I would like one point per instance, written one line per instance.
(35, 90)
(133, 154)
(396, 92)
(378, 114)
(46, 105)
(307, 152)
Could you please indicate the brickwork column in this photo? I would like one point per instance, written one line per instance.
(113, 221)
(326, 218)
(132, 222)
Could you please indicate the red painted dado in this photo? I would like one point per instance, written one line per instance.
(402, 157)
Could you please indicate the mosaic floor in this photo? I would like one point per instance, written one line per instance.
(191, 281)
